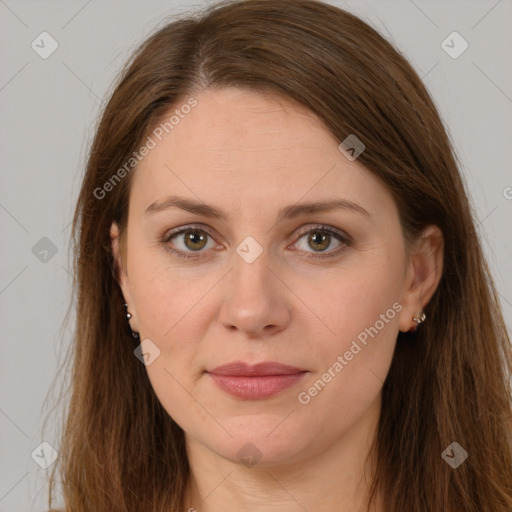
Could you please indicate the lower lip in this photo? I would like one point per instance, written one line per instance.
(255, 388)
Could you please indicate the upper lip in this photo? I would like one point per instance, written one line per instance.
(239, 368)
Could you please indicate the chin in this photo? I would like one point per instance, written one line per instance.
(262, 447)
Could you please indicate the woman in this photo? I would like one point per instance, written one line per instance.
(282, 301)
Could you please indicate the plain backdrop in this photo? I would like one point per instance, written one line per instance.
(50, 107)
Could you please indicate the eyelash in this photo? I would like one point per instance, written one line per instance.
(345, 239)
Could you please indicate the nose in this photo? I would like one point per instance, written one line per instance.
(256, 299)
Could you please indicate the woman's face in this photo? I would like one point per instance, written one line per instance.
(266, 282)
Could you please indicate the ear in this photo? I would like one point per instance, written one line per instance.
(119, 254)
(425, 268)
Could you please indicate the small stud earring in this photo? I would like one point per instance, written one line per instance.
(421, 318)
(128, 316)
(418, 319)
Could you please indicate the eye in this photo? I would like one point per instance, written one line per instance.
(194, 240)
(320, 238)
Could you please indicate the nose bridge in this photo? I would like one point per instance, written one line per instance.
(251, 275)
(253, 299)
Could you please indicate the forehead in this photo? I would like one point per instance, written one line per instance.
(229, 125)
(249, 149)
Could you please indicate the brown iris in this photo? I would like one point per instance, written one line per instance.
(196, 239)
(319, 240)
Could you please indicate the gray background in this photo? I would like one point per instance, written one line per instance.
(49, 110)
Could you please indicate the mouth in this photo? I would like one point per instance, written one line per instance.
(255, 382)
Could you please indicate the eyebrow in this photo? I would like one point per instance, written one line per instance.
(289, 212)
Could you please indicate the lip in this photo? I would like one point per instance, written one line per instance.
(239, 368)
(255, 382)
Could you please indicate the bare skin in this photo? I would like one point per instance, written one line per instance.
(250, 156)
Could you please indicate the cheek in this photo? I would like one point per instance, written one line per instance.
(358, 297)
(362, 312)
(169, 311)
(164, 294)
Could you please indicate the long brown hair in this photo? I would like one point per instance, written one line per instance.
(120, 450)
